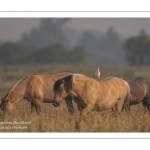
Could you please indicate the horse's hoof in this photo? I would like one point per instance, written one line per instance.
(77, 126)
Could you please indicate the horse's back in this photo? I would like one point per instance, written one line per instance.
(118, 85)
(41, 78)
(46, 81)
(115, 81)
(41, 86)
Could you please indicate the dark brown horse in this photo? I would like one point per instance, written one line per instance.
(36, 88)
(140, 92)
(90, 94)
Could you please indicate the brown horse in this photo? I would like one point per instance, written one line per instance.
(90, 94)
(36, 88)
(140, 92)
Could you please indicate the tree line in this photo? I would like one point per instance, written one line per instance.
(100, 48)
(103, 48)
(51, 42)
(19, 53)
(137, 50)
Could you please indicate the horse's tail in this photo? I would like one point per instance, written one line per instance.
(127, 99)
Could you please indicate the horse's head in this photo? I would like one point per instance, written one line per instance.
(60, 92)
(6, 106)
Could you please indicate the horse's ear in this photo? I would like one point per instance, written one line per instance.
(54, 80)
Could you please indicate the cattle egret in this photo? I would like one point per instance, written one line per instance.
(97, 73)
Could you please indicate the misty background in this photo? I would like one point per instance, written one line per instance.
(110, 41)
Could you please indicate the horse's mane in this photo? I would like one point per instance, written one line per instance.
(17, 83)
(68, 84)
(140, 78)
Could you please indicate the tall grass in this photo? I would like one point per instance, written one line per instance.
(57, 119)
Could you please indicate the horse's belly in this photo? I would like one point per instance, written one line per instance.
(104, 105)
(136, 99)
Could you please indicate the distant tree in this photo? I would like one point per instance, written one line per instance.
(89, 41)
(14, 53)
(137, 50)
(111, 41)
(78, 55)
(103, 48)
(49, 32)
(18, 53)
(55, 53)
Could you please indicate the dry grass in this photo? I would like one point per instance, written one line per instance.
(57, 119)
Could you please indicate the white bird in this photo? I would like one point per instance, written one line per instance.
(97, 73)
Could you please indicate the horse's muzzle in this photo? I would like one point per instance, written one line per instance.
(56, 104)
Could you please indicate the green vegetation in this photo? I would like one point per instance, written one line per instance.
(137, 50)
(18, 53)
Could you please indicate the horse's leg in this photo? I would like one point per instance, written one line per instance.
(32, 107)
(38, 109)
(83, 112)
(120, 103)
(114, 108)
(69, 104)
(146, 104)
(38, 106)
(87, 109)
(79, 106)
(126, 105)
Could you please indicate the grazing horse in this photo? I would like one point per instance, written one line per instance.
(90, 94)
(36, 88)
(140, 91)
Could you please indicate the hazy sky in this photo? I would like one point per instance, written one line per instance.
(12, 28)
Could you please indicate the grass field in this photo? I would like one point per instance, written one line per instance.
(57, 119)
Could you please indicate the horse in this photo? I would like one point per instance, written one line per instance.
(36, 88)
(90, 94)
(140, 92)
